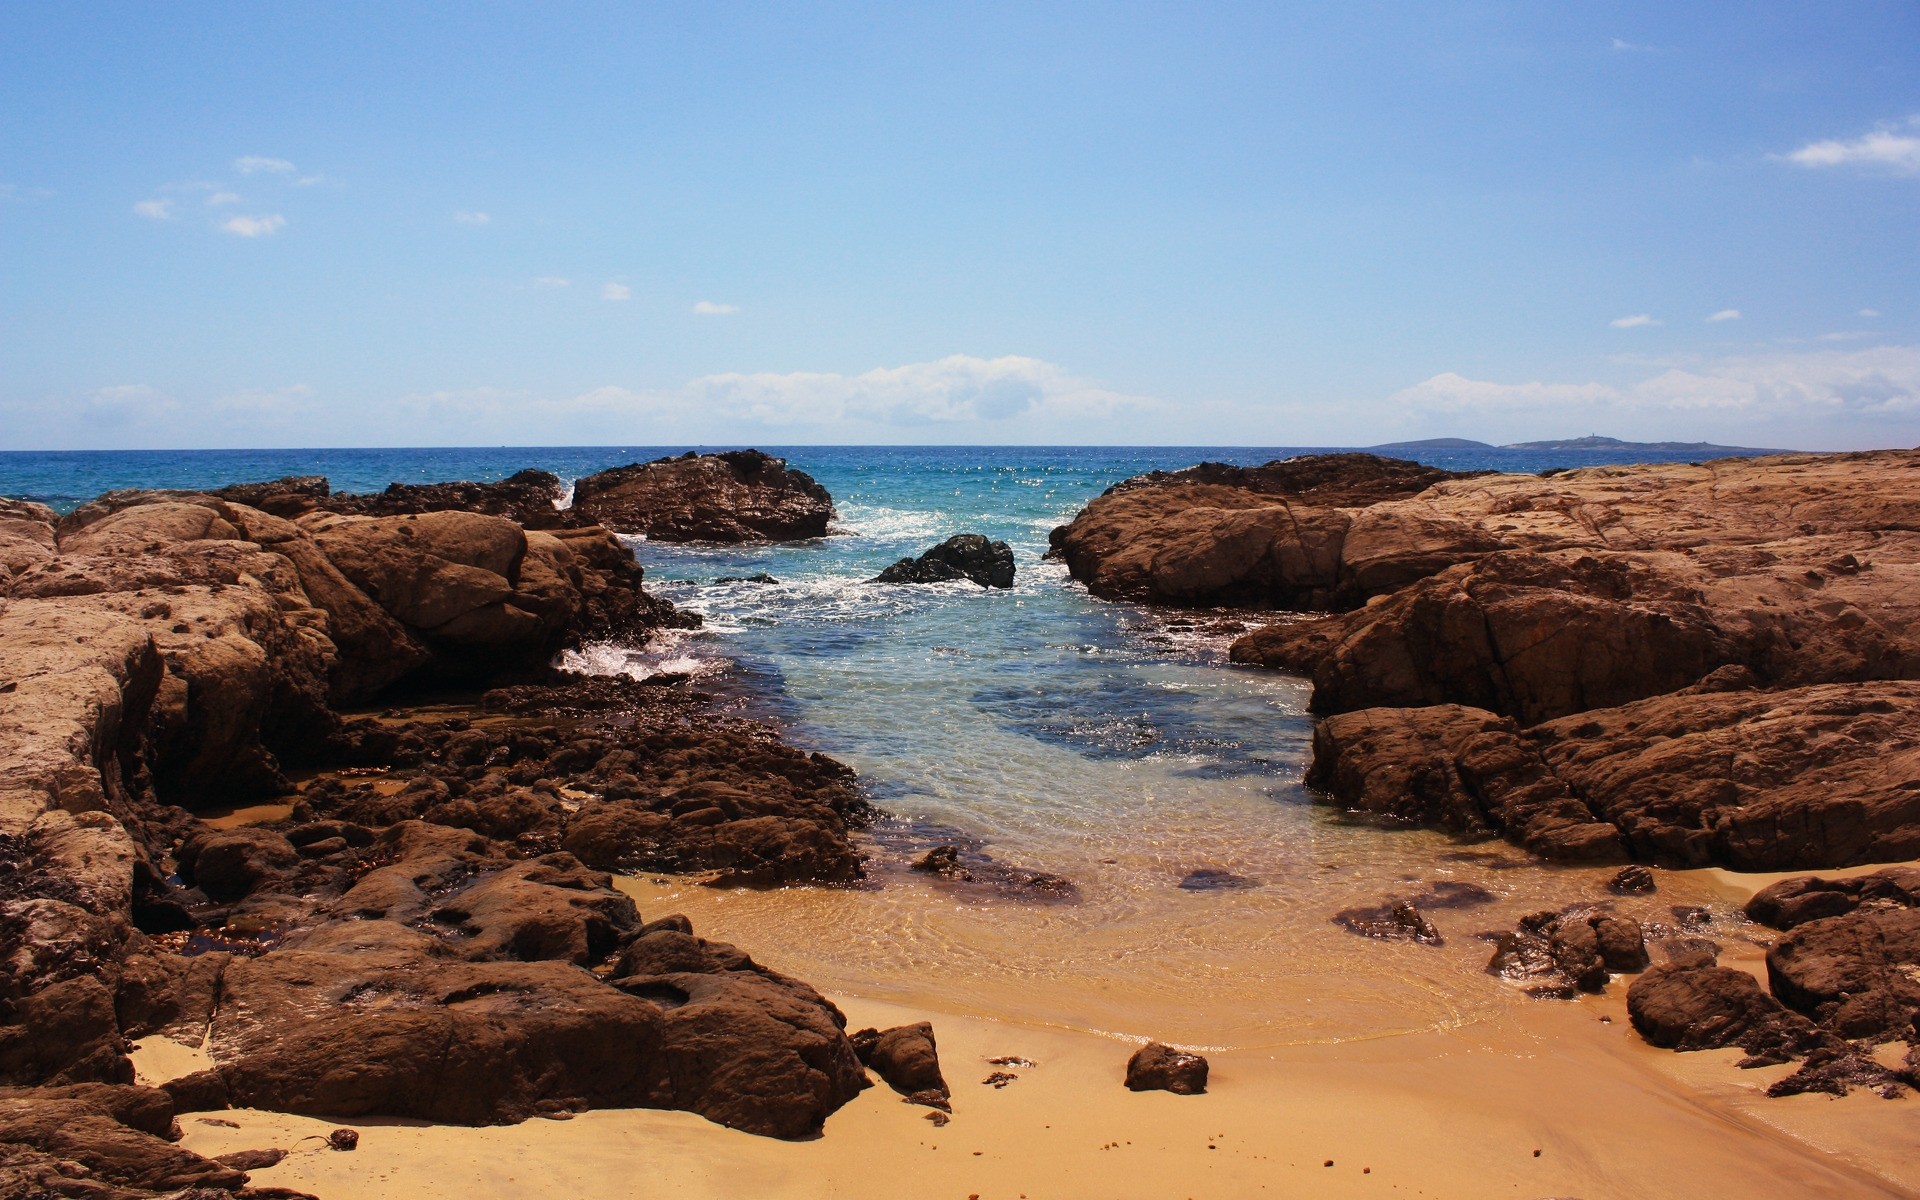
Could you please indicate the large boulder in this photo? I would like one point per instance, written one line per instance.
(1290, 534)
(736, 496)
(962, 556)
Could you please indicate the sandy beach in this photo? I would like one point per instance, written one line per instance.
(1534, 1099)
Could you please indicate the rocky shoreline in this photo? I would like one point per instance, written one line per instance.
(1684, 664)
(430, 930)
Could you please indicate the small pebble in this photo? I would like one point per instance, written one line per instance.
(1329, 1163)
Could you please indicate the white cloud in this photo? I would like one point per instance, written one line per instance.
(254, 164)
(472, 218)
(155, 210)
(998, 397)
(958, 388)
(1725, 314)
(615, 291)
(1886, 148)
(13, 191)
(552, 281)
(252, 227)
(1821, 385)
(1869, 312)
(309, 180)
(220, 198)
(1624, 45)
(708, 308)
(1636, 321)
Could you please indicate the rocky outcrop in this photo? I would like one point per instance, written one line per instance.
(1755, 780)
(736, 496)
(422, 937)
(1296, 533)
(1840, 983)
(963, 556)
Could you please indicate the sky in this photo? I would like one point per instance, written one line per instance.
(302, 224)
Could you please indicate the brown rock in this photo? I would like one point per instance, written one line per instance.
(1709, 1008)
(1155, 1067)
(113, 1153)
(1291, 534)
(905, 1057)
(1855, 974)
(737, 496)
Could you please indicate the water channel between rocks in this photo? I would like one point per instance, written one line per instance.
(1086, 739)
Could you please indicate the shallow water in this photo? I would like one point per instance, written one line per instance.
(1077, 737)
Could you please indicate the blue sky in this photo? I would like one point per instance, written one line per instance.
(305, 224)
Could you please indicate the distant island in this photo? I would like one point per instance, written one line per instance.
(1590, 442)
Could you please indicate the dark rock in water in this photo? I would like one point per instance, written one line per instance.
(973, 872)
(1622, 943)
(528, 497)
(963, 556)
(762, 577)
(1635, 880)
(906, 1057)
(1211, 879)
(738, 496)
(943, 861)
(1399, 920)
(1559, 954)
(1155, 1067)
(1692, 916)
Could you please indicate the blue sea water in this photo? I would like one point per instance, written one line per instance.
(1055, 731)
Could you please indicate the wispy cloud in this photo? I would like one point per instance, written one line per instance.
(552, 281)
(1725, 314)
(1625, 46)
(615, 291)
(1011, 393)
(1816, 385)
(1869, 312)
(708, 308)
(155, 210)
(1636, 321)
(255, 164)
(1893, 147)
(218, 199)
(472, 218)
(13, 191)
(253, 227)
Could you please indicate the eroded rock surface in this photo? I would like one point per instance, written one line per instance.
(1156, 1067)
(430, 933)
(736, 496)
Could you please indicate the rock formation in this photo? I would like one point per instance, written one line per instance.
(429, 933)
(962, 556)
(1156, 1067)
(1840, 983)
(737, 496)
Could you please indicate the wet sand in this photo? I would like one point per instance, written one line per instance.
(1454, 1109)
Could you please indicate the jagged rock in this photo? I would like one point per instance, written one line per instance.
(1155, 1067)
(907, 1058)
(1562, 954)
(1819, 785)
(1632, 881)
(963, 556)
(737, 496)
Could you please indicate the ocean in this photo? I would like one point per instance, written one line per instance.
(1054, 731)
